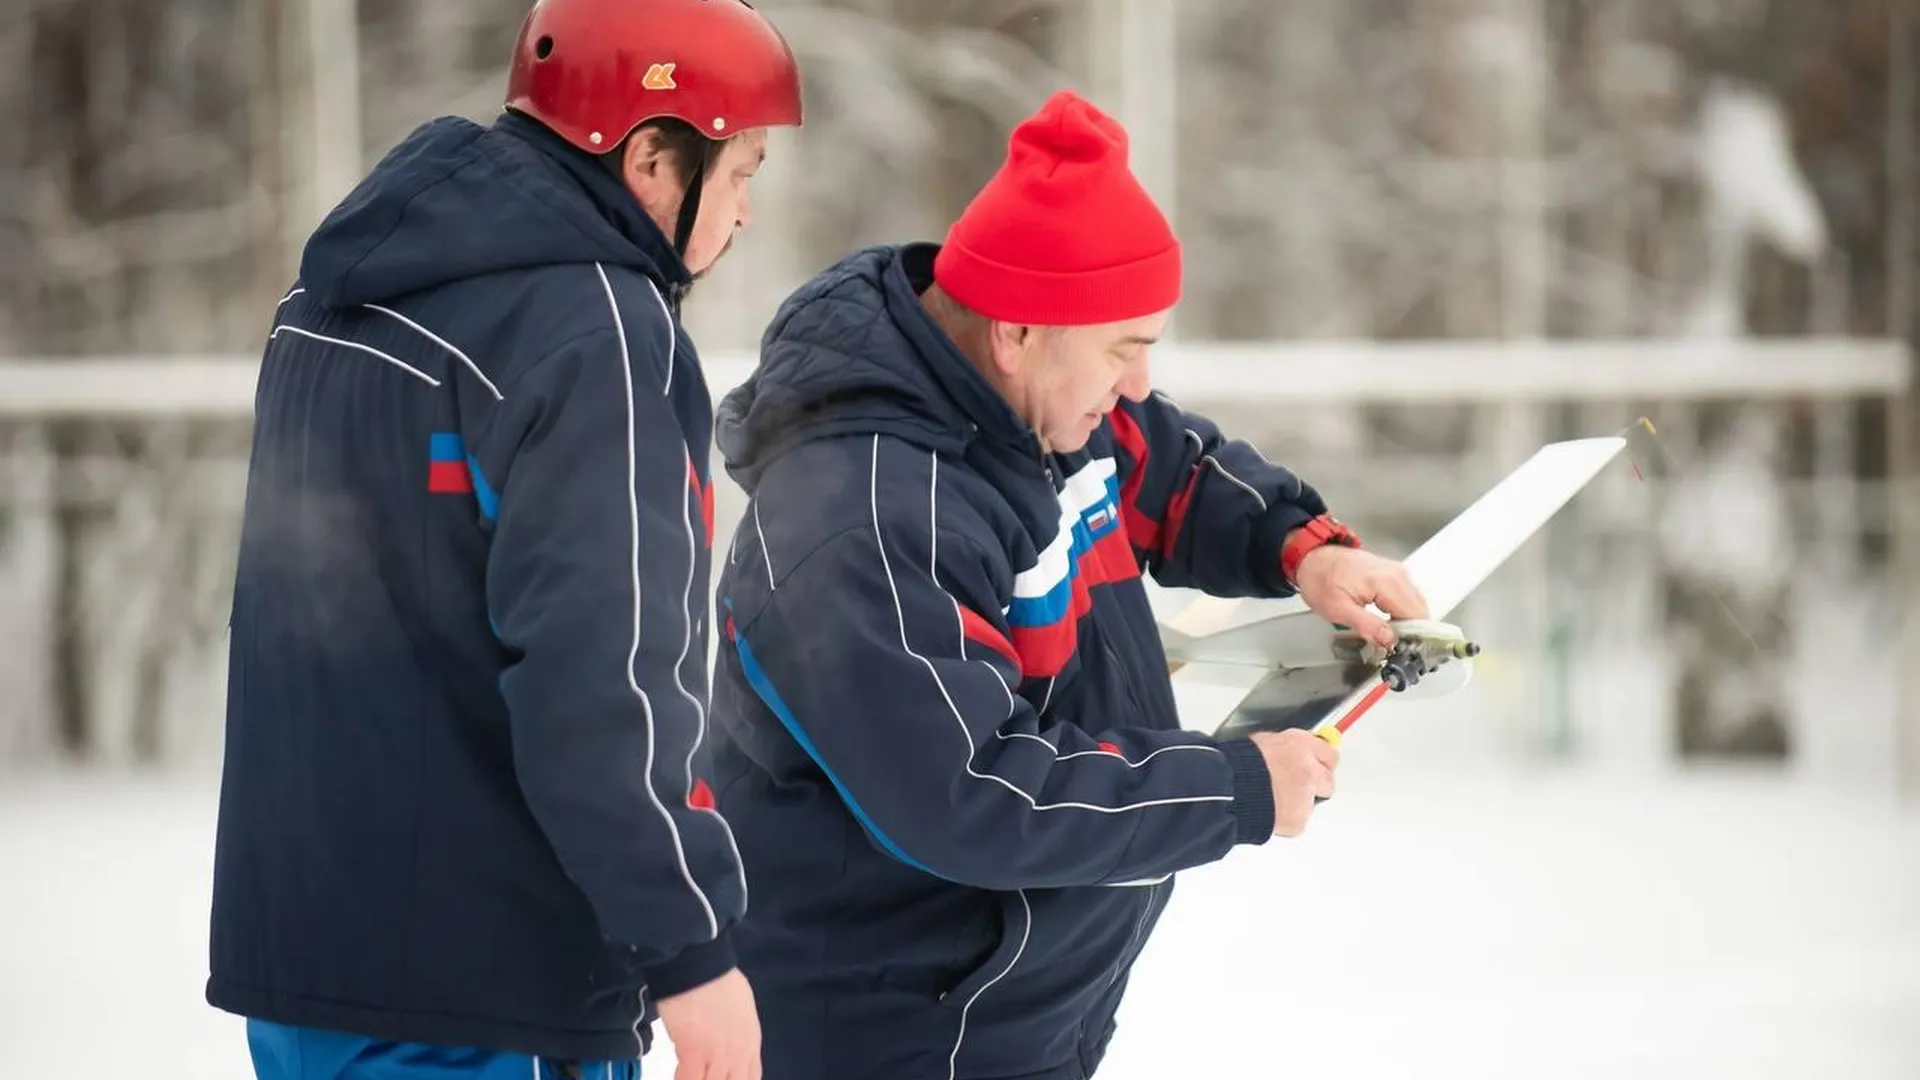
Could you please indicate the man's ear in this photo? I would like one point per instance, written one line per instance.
(645, 160)
(1010, 342)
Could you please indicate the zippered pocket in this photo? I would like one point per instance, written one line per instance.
(1134, 943)
(1136, 711)
(1016, 929)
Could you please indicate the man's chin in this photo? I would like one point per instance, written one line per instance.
(708, 269)
(1069, 443)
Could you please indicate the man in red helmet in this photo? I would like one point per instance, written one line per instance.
(951, 750)
(466, 823)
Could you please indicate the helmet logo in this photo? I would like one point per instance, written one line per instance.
(659, 77)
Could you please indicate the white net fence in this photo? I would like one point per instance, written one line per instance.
(1742, 602)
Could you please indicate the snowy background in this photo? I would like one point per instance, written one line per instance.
(1439, 919)
(1673, 830)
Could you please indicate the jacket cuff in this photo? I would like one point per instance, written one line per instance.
(1270, 538)
(1252, 791)
(695, 966)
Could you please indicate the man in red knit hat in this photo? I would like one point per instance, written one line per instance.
(946, 738)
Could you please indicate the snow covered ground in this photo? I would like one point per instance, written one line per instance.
(1496, 922)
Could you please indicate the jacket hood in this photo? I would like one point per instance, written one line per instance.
(854, 352)
(456, 200)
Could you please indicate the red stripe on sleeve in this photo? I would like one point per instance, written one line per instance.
(701, 797)
(1177, 512)
(981, 632)
(706, 510)
(1143, 531)
(703, 494)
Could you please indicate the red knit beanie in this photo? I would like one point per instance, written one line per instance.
(1063, 234)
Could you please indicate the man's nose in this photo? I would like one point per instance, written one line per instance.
(1137, 383)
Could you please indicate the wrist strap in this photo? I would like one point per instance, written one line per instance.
(1322, 530)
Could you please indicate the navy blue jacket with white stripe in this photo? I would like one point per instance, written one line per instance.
(465, 797)
(945, 734)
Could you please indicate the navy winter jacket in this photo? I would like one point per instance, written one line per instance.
(945, 733)
(465, 797)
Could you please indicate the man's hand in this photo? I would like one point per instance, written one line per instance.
(1338, 582)
(1301, 765)
(715, 1029)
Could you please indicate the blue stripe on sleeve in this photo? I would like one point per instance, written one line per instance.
(488, 498)
(762, 686)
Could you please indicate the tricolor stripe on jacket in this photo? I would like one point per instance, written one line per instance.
(1088, 550)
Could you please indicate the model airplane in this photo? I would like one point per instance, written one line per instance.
(1253, 665)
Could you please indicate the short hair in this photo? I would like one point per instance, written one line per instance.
(944, 305)
(685, 146)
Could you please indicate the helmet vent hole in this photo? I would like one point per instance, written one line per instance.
(543, 48)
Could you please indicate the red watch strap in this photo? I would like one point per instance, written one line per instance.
(1325, 529)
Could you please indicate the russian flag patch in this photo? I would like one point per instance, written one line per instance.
(447, 472)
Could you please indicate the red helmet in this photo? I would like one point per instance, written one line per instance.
(593, 70)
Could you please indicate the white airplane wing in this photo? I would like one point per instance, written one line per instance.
(1276, 655)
